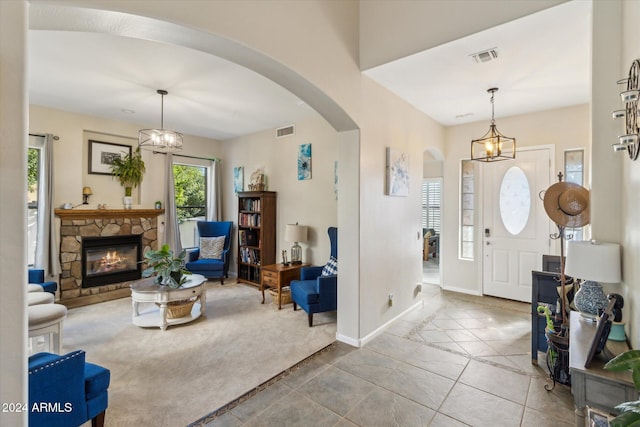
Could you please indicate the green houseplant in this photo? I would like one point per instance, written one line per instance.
(630, 411)
(129, 170)
(169, 270)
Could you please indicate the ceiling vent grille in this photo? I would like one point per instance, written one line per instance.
(485, 55)
(285, 131)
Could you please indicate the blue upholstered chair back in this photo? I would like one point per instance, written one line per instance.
(333, 238)
(215, 229)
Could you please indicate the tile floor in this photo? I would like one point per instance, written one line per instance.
(459, 360)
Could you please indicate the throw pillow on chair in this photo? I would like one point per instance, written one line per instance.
(331, 267)
(211, 247)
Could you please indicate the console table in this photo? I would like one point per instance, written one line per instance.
(145, 291)
(594, 386)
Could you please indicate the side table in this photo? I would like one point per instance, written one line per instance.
(145, 291)
(593, 386)
(278, 276)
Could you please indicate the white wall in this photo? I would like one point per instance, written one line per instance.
(394, 29)
(566, 128)
(309, 202)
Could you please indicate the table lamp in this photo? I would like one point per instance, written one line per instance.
(86, 192)
(296, 233)
(592, 262)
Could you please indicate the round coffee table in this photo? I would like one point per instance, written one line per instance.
(157, 297)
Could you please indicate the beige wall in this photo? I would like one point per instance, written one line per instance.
(630, 223)
(565, 128)
(323, 55)
(71, 157)
(310, 202)
(13, 209)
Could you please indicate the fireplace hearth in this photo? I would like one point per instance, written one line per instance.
(111, 259)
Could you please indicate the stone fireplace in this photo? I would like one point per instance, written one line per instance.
(80, 227)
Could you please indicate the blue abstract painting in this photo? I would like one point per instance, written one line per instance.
(304, 162)
(238, 179)
(397, 173)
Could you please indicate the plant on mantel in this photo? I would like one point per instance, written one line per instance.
(129, 170)
(630, 411)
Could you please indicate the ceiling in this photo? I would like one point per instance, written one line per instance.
(542, 63)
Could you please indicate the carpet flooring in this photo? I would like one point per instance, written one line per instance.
(177, 376)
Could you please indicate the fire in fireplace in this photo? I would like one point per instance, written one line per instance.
(111, 259)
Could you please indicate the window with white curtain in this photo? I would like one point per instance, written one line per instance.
(431, 201)
(191, 190)
(34, 174)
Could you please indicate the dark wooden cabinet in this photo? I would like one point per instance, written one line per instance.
(543, 289)
(256, 234)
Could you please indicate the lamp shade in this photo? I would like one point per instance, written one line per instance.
(295, 233)
(595, 261)
(86, 191)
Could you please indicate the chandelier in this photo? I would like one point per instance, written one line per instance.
(160, 140)
(493, 146)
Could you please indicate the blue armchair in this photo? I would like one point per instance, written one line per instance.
(314, 292)
(37, 276)
(212, 267)
(64, 390)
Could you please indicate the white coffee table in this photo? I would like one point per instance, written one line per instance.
(146, 292)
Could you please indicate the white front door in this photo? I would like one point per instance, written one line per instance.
(516, 227)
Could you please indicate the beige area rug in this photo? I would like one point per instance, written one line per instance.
(175, 377)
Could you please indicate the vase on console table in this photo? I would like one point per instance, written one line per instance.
(589, 299)
(127, 200)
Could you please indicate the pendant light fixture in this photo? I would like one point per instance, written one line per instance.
(160, 140)
(493, 146)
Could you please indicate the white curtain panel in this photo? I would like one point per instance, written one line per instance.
(47, 247)
(214, 205)
(171, 229)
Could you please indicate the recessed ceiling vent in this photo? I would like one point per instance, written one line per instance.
(285, 131)
(485, 55)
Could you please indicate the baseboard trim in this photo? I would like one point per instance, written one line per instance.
(355, 342)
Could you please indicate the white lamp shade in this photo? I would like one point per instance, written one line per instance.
(594, 261)
(295, 233)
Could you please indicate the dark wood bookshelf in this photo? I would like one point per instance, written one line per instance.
(256, 234)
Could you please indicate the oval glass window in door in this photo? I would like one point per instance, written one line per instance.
(515, 200)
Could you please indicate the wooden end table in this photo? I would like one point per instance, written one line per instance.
(278, 276)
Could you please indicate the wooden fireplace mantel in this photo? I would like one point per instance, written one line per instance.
(72, 214)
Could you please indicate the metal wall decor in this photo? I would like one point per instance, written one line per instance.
(630, 141)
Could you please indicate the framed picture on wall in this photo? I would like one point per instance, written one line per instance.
(304, 162)
(238, 179)
(397, 172)
(102, 154)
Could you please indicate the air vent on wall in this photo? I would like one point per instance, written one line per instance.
(485, 55)
(285, 131)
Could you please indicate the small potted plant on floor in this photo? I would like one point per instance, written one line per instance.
(129, 170)
(629, 360)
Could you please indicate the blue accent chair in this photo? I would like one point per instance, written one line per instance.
(212, 268)
(36, 276)
(64, 390)
(313, 292)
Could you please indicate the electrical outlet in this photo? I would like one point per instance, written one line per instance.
(390, 300)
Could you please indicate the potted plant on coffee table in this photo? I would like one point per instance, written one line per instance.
(169, 271)
(129, 170)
